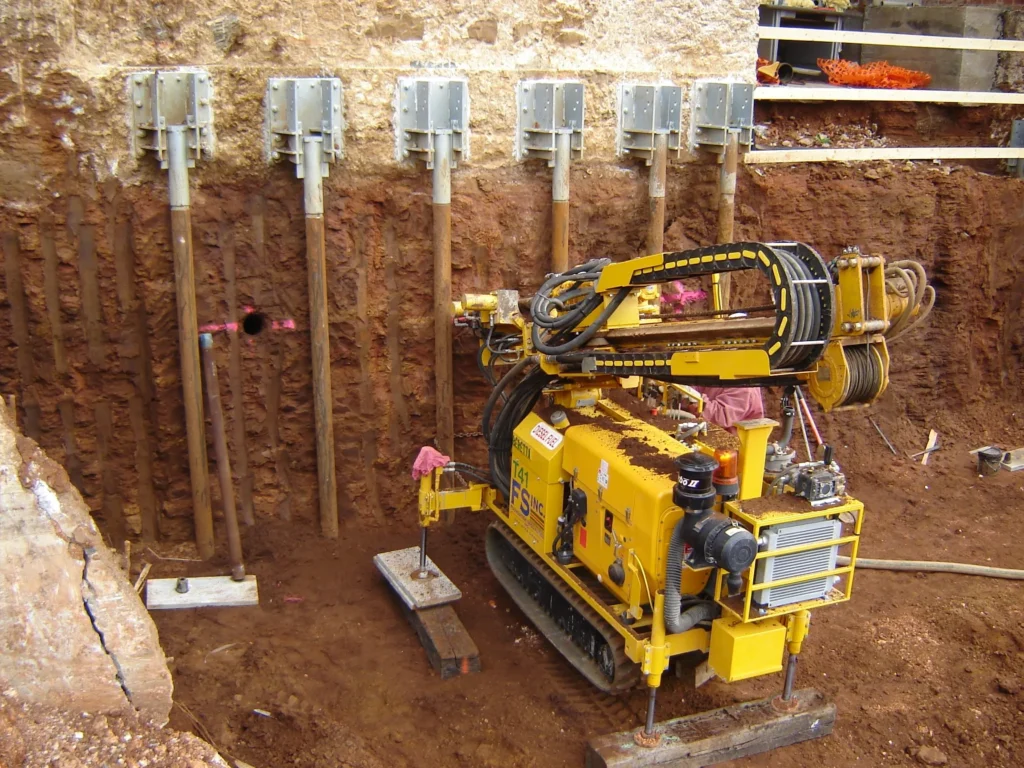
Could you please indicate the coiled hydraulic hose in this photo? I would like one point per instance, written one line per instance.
(908, 279)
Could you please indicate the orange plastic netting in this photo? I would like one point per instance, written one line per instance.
(879, 74)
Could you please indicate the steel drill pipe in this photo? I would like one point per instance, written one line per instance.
(726, 214)
(313, 198)
(560, 203)
(188, 336)
(656, 195)
(220, 453)
(441, 181)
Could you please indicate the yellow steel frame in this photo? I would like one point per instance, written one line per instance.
(756, 523)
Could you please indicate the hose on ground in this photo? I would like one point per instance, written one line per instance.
(928, 566)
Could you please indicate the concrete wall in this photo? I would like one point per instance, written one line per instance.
(71, 59)
(950, 69)
(73, 633)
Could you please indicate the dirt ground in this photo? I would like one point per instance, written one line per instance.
(912, 661)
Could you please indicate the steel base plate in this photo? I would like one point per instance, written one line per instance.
(400, 568)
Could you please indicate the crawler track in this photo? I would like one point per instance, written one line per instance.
(586, 640)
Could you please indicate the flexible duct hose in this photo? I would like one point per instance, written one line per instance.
(908, 279)
(964, 569)
(676, 619)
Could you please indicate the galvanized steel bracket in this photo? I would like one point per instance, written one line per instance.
(646, 110)
(298, 108)
(718, 108)
(545, 108)
(426, 106)
(161, 98)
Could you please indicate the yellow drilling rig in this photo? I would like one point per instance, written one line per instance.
(627, 543)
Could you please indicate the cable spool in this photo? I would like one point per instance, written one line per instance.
(866, 374)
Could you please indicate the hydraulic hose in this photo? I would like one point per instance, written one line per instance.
(502, 385)
(676, 619)
(963, 569)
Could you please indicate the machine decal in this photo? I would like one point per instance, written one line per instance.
(525, 502)
(546, 435)
(521, 446)
(602, 475)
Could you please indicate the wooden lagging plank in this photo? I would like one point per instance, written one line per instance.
(719, 735)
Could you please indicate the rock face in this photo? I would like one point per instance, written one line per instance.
(73, 632)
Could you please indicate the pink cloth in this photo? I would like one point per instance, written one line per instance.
(725, 406)
(675, 296)
(427, 461)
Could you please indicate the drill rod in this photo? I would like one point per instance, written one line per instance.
(441, 181)
(323, 409)
(656, 195)
(188, 331)
(560, 203)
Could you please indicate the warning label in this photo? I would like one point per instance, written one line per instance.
(546, 435)
(602, 475)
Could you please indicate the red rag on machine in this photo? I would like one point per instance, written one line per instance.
(725, 406)
(427, 461)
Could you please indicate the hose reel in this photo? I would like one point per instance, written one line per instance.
(850, 374)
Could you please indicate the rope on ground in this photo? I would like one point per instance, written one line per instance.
(964, 569)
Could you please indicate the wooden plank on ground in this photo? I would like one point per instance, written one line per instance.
(19, 327)
(450, 649)
(856, 37)
(719, 735)
(862, 154)
(844, 93)
(203, 592)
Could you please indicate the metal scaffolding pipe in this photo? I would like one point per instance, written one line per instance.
(560, 202)
(220, 452)
(323, 409)
(441, 179)
(656, 195)
(726, 214)
(188, 336)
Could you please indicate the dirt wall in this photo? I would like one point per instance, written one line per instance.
(87, 309)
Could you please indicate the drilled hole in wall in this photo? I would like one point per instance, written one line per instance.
(254, 323)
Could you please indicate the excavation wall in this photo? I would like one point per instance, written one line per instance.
(88, 308)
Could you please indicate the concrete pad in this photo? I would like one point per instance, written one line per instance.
(398, 567)
(203, 592)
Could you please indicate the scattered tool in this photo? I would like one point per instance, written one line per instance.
(628, 545)
(919, 454)
(881, 434)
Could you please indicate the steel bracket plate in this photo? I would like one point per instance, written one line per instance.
(300, 107)
(161, 98)
(426, 106)
(718, 108)
(545, 108)
(1016, 164)
(646, 110)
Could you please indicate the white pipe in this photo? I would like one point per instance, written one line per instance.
(177, 166)
(563, 157)
(659, 164)
(312, 178)
(441, 174)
